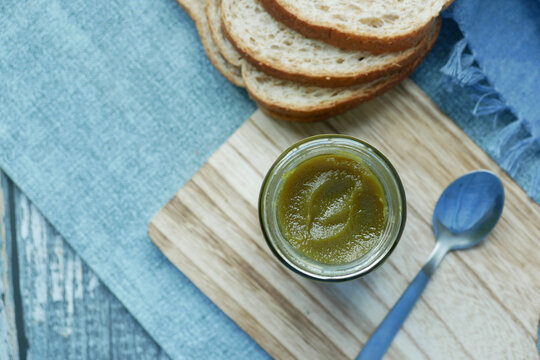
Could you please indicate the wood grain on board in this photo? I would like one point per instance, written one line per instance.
(482, 303)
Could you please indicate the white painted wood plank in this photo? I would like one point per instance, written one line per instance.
(67, 313)
(9, 348)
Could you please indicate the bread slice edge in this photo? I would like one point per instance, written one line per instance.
(319, 113)
(226, 49)
(195, 10)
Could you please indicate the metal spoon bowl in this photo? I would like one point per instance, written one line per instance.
(467, 211)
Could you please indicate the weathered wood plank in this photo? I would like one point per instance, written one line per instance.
(67, 313)
(9, 348)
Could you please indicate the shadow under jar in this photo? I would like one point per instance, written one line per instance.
(332, 208)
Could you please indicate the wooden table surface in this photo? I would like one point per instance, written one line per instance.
(52, 306)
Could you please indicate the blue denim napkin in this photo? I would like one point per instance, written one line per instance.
(499, 61)
(107, 108)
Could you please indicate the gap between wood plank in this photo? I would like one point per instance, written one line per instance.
(22, 340)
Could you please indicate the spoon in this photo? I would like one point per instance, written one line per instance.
(465, 214)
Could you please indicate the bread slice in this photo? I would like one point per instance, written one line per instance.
(281, 52)
(371, 25)
(213, 15)
(195, 9)
(291, 101)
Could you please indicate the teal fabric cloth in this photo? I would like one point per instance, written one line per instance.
(107, 108)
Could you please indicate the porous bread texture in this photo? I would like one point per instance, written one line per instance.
(292, 101)
(195, 9)
(213, 15)
(284, 53)
(374, 25)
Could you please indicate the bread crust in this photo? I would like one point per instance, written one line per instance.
(329, 80)
(289, 117)
(216, 32)
(195, 9)
(314, 113)
(349, 41)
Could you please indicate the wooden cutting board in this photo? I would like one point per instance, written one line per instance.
(482, 303)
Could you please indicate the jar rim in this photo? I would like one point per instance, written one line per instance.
(379, 260)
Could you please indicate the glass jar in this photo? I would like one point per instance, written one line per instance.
(332, 145)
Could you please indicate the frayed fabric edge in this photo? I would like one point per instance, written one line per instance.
(462, 70)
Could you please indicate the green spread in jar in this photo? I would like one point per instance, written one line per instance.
(331, 208)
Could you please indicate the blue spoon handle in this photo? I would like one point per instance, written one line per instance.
(381, 339)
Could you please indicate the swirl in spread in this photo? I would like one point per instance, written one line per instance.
(331, 208)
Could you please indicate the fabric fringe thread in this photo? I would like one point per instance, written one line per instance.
(462, 70)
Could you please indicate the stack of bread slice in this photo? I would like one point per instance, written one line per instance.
(307, 60)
